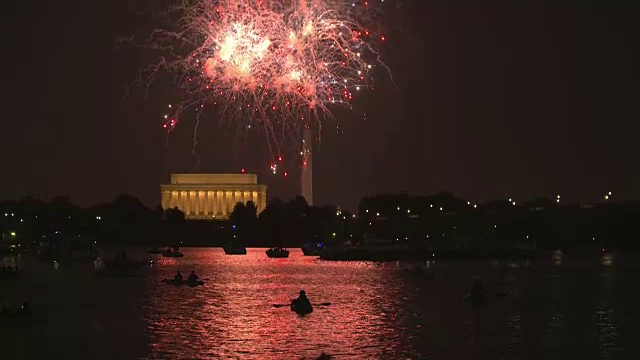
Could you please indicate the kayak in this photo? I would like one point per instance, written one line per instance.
(186, 283)
(301, 309)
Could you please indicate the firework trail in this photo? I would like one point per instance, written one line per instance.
(280, 63)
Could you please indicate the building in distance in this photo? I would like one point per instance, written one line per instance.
(212, 196)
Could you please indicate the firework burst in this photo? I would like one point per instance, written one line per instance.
(282, 64)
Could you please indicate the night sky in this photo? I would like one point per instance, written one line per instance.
(491, 101)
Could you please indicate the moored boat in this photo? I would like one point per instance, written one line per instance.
(277, 252)
(172, 254)
(311, 249)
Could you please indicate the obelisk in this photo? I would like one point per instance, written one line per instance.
(307, 166)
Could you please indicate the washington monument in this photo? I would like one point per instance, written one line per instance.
(307, 168)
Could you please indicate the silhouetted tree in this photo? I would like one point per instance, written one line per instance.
(244, 221)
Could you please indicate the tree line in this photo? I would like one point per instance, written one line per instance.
(437, 219)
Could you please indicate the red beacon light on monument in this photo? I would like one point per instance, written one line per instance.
(242, 170)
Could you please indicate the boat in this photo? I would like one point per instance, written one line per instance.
(311, 249)
(173, 254)
(155, 250)
(234, 249)
(190, 283)
(277, 252)
(301, 309)
(377, 249)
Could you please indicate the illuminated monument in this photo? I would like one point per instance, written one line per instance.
(307, 168)
(212, 196)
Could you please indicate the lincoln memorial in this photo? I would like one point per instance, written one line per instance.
(212, 196)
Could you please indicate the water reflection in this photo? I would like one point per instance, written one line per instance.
(605, 315)
(548, 309)
(233, 312)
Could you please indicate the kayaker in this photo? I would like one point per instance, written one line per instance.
(302, 301)
(178, 277)
(192, 276)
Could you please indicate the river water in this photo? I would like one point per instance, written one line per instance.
(556, 308)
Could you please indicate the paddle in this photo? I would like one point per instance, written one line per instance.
(321, 304)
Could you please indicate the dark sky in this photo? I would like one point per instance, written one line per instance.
(493, 100)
